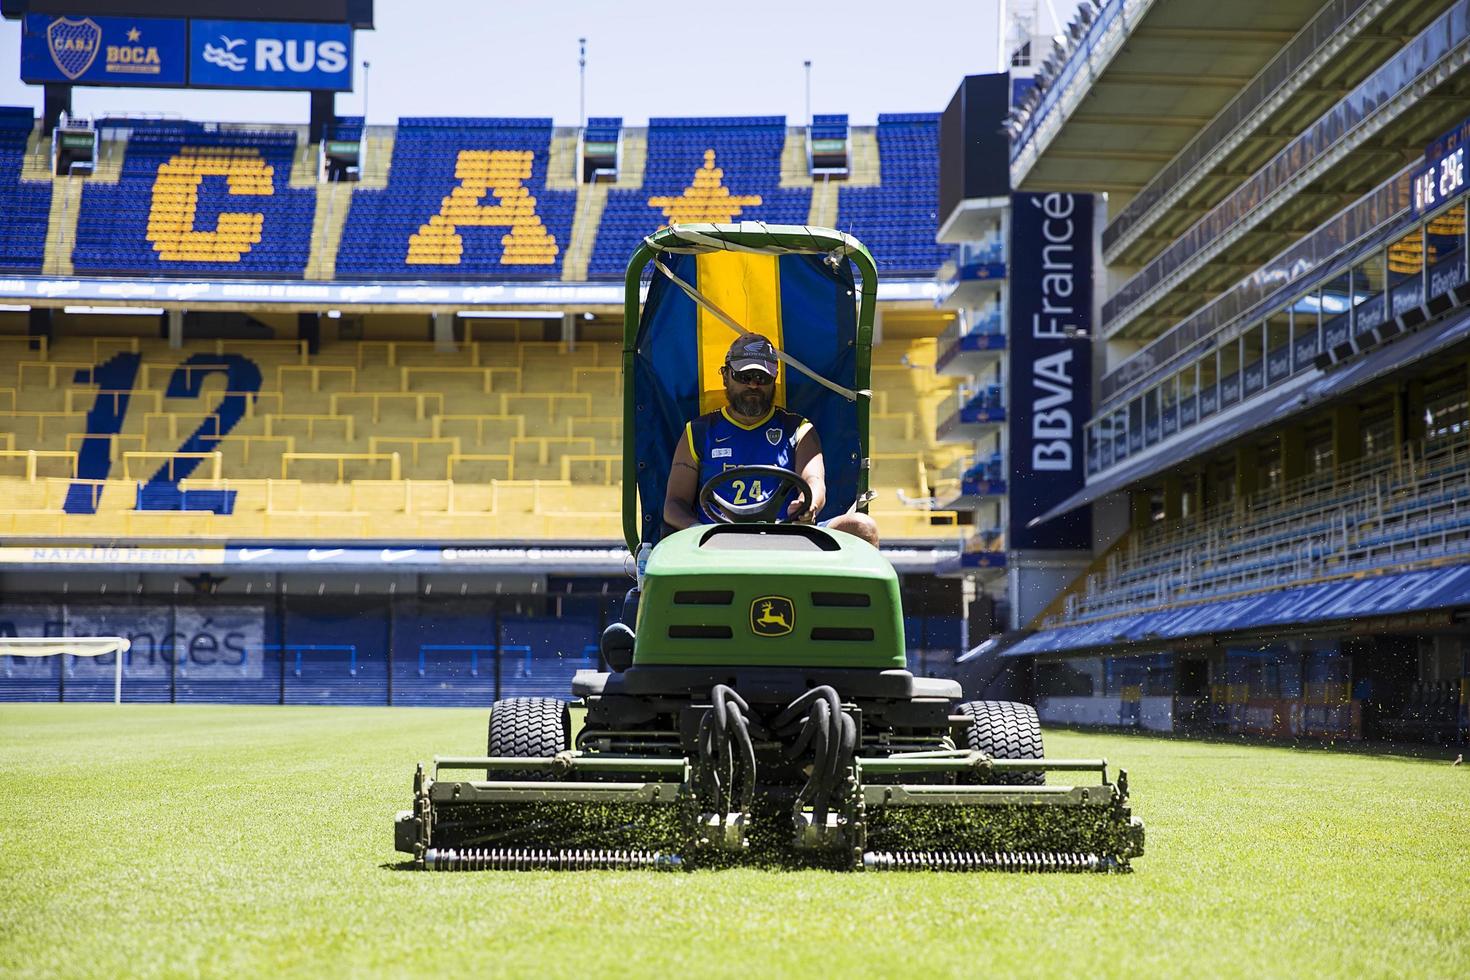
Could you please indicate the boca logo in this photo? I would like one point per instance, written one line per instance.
(73, 44)
(772, 615)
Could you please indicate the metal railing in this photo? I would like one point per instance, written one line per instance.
(1387, 206)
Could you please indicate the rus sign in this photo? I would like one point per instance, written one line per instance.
(260, 54)
(1050, 366)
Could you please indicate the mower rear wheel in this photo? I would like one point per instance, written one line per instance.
(529, 728)
(1005, 730)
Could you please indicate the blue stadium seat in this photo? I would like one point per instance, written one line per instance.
(739, 160)
(898, 219)
(25, 204)
(197, 199)
(409, 230)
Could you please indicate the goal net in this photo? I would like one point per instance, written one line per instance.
(73, 646)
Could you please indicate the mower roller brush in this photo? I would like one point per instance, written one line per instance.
(758, 707)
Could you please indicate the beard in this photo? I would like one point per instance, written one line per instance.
(753, 402)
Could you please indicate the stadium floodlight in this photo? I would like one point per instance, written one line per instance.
(116, 310)
(75, 646)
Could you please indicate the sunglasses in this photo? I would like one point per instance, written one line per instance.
(751, 377)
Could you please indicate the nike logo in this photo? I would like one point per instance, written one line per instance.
(250, 554)
(323, 555)
(721, 438)
(389, 554)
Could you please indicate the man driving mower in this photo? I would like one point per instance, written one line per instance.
(752, 431)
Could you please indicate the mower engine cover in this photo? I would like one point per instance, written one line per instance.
(769, 595)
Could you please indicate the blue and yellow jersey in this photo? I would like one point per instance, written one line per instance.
(718, 442)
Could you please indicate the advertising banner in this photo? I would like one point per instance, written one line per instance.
(1050, 366)
(218, 643)
(260, 54)
(103, 50)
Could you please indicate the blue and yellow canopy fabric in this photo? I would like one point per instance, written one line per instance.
(1323, 602)
(802, 303)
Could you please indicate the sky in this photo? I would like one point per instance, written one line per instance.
(462, 58)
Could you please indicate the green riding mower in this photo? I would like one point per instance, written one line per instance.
(757, 707)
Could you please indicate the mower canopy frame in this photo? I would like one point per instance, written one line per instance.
(748, 237)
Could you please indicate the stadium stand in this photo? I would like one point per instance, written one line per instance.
(26, 204)
(385, 439)
(466, 198)
(1391, 512)
(898, 219)
(700, 169)
(196, 198)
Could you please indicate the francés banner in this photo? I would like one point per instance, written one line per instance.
(218, 643)
(1050, 366)
(104, 50)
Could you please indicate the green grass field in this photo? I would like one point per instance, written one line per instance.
(250, 841)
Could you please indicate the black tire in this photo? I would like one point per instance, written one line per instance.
(1005, 730)
(528, 728)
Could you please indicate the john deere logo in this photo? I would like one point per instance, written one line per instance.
(772, 615)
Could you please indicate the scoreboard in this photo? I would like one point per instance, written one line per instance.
(1442, 177)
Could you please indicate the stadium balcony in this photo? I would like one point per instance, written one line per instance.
(1376, 287)
(119, 438)
(194, 198)
(898, 219)
(465, 198)
(1388, 513)
(1336, 50)
(716, 169)
(25, 198)
(1363, 139)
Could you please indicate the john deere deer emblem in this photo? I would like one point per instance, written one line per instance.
(772, 615)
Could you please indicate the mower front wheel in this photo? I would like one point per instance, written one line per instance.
(529, 728)
(1005, 730)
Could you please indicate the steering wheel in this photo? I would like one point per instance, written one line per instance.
(769, 509)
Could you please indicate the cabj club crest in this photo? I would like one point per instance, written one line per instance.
(772, 615)
(73, 44)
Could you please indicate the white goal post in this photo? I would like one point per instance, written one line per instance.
(76, 646)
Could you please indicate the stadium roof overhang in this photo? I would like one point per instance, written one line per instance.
(297, 295)
(1308, 392)
(1347, 599)
(327, 557)
(1153, 79)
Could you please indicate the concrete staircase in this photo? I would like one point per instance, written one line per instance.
(377, 156)
(795, 169)
(61, 226)
(333, 201)
(862, 154)
(592, 200)
(823, 213)
(563, 166)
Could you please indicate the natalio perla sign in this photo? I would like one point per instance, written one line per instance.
(1050, 366)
